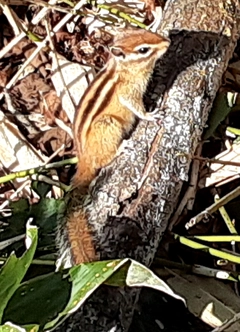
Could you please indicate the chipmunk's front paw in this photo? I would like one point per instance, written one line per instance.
(153, 116)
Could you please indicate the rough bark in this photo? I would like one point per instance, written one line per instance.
(134, 197)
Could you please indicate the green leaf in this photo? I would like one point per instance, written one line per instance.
(222, 106)
(39, 300)
(86, 278)
(13, 271)
(45, 214)
(138, 275)
(41, 188)
(48, 300)
(9, 327)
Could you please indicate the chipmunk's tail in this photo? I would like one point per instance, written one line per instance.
(85, 173)
(75, 238)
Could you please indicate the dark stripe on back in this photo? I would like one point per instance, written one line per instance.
(93, 100)
(105, 103)
(106, 100)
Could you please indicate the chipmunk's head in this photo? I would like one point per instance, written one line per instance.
(138, 46)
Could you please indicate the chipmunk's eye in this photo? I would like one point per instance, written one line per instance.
(143, 50)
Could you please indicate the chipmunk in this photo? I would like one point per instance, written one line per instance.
(107, 112)
(110, 105)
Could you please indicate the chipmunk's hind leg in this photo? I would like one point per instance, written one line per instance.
(101, 145)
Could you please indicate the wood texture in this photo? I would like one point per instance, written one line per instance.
(133, 198)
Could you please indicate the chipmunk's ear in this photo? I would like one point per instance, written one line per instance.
(117, 52)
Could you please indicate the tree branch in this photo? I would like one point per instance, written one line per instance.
(133, 198)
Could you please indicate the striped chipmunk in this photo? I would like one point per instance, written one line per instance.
(107, 112)
(113, 101)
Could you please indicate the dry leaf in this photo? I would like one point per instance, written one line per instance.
(76, 80)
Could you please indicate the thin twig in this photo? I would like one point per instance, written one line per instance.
(190, 192)
(39, 169)
(217, 161)
(214, 207)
